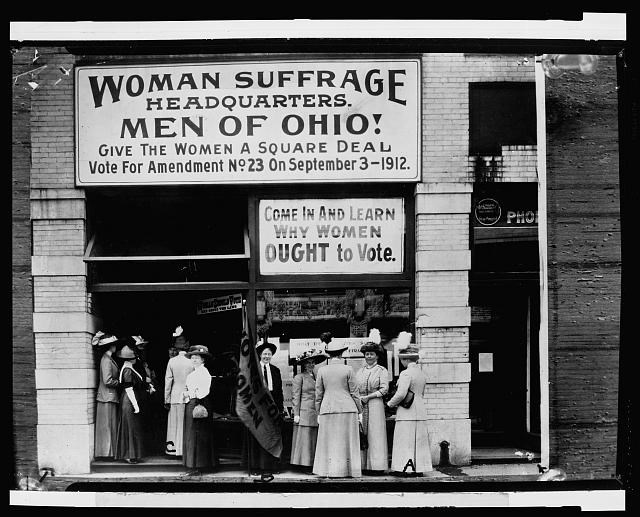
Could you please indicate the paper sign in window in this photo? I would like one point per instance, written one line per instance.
(485, 362)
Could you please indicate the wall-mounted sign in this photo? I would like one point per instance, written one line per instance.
(331, 236)
(249, 122)
(487, 211)
(219, 304)
(505, 205)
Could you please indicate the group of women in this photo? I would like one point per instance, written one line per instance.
(122, 390)
(340, 427)
(339, 421)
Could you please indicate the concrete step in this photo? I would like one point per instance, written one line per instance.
(151, 464)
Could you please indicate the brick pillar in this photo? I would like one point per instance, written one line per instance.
(443, 316)
(62, 320)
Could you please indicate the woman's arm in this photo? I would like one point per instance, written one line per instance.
(404, 381)
(296, 394)
(384, 383)
(319, 391)
(353, 389)
(107, 375)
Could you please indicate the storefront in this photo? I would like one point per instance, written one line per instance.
(318, 194)
(282, 186)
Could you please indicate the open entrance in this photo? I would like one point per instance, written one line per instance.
(504, 401)
(212, 319)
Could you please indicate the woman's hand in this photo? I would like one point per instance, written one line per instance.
(364, 399)
(296, 419)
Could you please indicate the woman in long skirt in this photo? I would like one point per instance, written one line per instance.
(130, 444)
(411, 454)
(198, 451)
(305, 417)
(373, 384)
(107, 399)
(339, 407)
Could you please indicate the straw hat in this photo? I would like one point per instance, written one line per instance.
(313, 354)
(200, 350)
(407, 350)
(126, 353)
(101, 339)
(335, 346)
(139, 341)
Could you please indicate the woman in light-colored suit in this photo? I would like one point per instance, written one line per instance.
(411, 454)
(305, 417)
(373, 384)
(178, 368)
(339, 408)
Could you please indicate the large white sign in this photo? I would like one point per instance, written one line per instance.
(248, 122)
(327, 236)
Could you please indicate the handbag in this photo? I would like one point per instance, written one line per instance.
(364, 442)
(199, 411)
(408, 400)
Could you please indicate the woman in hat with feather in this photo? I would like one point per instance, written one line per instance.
(305, 417)
(130, 444)
(339, 408)
(411, 454)
(107, 399)
(373, 384)
(198, 451)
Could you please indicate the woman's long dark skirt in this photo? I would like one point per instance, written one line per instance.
(198, 447)
(254, 458)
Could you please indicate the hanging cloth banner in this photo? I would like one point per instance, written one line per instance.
(254, 404)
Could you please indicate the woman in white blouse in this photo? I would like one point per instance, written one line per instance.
(198, 450)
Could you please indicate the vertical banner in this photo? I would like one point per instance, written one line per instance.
(254, 404)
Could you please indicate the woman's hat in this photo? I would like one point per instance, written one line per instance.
(372, 347)
(313, 354)
(264, 345)
(373, 343)
(335, 346)
(406, 349)
(101, 339)
(139, 341)
(198, 350)
(126, 353)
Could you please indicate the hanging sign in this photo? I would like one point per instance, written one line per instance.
(331, 236)
(249, 122)
(219, 304)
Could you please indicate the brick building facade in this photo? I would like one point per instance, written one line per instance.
(55, 379)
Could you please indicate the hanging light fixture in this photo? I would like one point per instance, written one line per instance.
(554, 65)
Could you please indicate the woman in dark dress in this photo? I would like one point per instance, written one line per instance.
(130, 442)
(198, 448)
(255, 458)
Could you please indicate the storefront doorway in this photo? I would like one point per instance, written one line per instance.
(504, 401)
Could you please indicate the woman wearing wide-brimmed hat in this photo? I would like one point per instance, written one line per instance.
(305, 416)
(338, 406)
(373, 384)
(130, 444)
(198, 451)
(107, 398)
(254, 456)
(411, 454)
